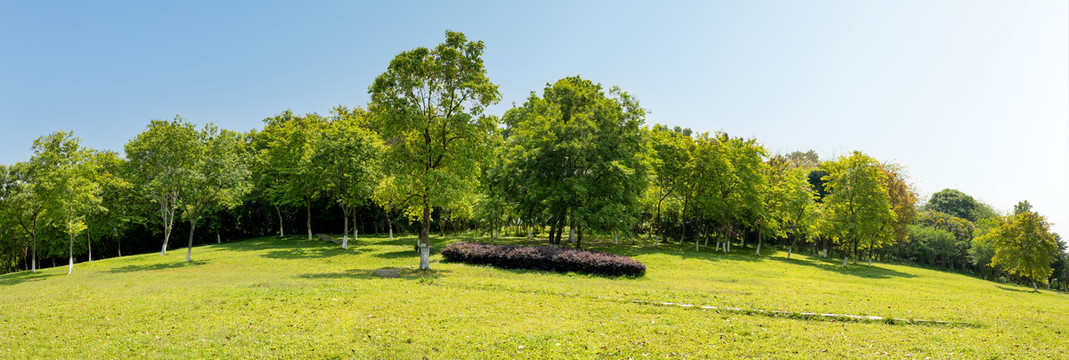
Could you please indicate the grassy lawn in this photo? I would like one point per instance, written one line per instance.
(291, 298)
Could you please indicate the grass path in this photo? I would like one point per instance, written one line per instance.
(291, 298)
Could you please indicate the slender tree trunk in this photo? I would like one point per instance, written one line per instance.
(870, 257)
(424, 239)
(118, 241)
(218, 239)
(616, 238)
(345, 218)
(33, 264)
(89, 243)
(308, 212)
(70, 234)
(168, 224)
(683, 216)
(760, 237)
(846, 257)
(189, 248)
(281, 233)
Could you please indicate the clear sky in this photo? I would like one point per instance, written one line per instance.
(972, 95)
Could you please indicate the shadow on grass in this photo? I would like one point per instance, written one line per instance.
(860, 270)
(1029, 291)
(153, 267)
(23, 276)
(367, 274)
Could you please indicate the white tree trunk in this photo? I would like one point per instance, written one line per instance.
(424, 257)
(189, 247)
(345, 238)
(528, 232)
(70, 266)
(789, 252)
(571, 234)
(758, 248)
(845, 258)
(308, 211)
(281, 233)
(218, 239)
(870, 261)
(89, 242)
(391, 232)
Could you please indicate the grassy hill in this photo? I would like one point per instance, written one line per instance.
(291, 298)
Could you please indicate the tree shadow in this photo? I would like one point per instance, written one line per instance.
(1014, 290)
(153, 267)
(367, 274)
(305, 252)
(23, 276)
(862, 271)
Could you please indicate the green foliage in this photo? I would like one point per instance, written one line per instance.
(428, 108)
(159, 160)
(578, 154)
(66, 183)
(954, 202)
(1023, 245)
(857, 209)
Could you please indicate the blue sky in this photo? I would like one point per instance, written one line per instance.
(972, 95)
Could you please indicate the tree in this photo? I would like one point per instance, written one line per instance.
(27, 204)
(285, 167)
(346, 157)
(953, 202)
(429, 106)
(902, 198)
(66, 180)
(1024, 244)
(160, 161)
(217, 176)
(580, 152)
(857, 209)
(670, 155)
(789, 200)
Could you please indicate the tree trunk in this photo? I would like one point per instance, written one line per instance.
(218, 239)
(345, 218)
(616, 238)
(528, 232)
(424, 239)
(389, 223)
(89, 243)
(70, 266)
(308, 212)
(760, 237)
(189, 248)
(1034, 287)
(845, 259)
(280, 232)
(789, 252)
(118, 242)
(168, 224)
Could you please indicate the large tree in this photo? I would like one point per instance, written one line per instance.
(1023, 244)
(160, 159)
(26, 204)
(429, 109)
(66, 179)
(954, 202)
(581, 153)
(217, 177)
(857, 210)
(284, 166)
(346, 157)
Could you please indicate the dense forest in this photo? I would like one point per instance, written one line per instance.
(574, 162)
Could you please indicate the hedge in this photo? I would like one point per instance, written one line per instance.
(543, 258)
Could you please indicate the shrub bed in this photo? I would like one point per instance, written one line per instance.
(544, 258)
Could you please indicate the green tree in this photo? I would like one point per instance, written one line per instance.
(953, 202)
(160, 160)
(217, 177)
(285, 169)
(67, 182)
(857, 209)
(1024, 244)
(582, 155)
(429, 106)
(670, 156)
(789, 201)
(26, 204)
(346, 157)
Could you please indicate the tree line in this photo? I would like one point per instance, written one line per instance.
(572, 162)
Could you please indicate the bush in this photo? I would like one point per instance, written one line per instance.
(543, 258)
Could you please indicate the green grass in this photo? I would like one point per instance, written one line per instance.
(290, 298)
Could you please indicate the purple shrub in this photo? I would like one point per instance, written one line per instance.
(543, 258)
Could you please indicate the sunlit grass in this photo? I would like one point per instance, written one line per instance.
(289, 298)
